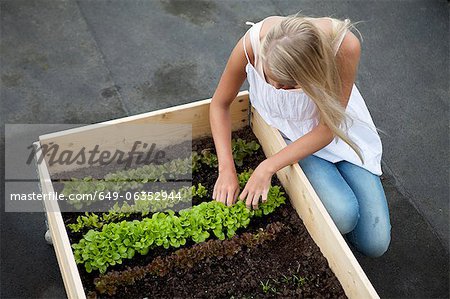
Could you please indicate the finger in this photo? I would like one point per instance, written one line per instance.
(255, 201)
(230, 197)
(227, 197)
(221, 196)
(236, 194)
(249, 200)
(264, 195)
(214, 193)
(243, 194)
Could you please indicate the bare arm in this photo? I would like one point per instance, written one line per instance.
(226, 188)
(316, 139)
(219, 112)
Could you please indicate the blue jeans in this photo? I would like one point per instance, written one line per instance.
(355, 199)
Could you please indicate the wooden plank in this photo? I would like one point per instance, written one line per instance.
(314, 215)
(120, 134)
(61, 244)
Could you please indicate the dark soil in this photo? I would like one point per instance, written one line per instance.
(275, 263)
(289, 266)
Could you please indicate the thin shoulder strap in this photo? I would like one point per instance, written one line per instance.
(245, 49)
(341, 39)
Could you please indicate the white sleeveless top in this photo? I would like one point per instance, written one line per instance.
(294, 114)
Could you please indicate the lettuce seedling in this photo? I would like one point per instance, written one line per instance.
(96, 249)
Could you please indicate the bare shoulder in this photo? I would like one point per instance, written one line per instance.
(350, 45)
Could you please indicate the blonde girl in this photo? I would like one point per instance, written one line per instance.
(301, 72)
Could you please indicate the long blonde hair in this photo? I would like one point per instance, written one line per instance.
(296, 52)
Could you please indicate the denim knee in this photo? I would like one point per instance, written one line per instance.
(371, 245)
(342, 207)
(345, 216)
(337, 197)
(375, 248)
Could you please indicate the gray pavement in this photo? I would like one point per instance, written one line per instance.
(91, 61)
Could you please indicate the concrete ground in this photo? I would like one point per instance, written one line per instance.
(83, 62)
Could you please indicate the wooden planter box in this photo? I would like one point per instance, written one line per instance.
(303, 197)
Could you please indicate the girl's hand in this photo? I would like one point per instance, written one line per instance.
(226, 188)
(258, 185)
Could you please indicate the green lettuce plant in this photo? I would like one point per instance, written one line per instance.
(209, 158)
(143, 205)
(133, 179)
(196, 160)
(97, 250)
(241, 149)
(128, 179)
